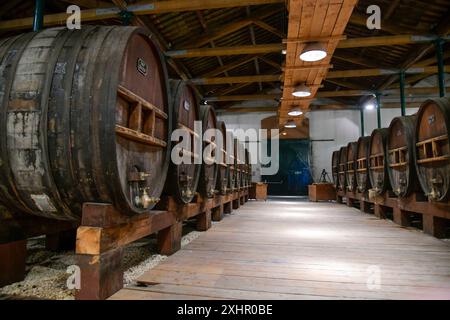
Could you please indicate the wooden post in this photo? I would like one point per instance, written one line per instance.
(12, 262)
(169, 239)
(434, 226)
(401, 217)
(379, 211)
(204, 221)
(100, 240)
(217, 212)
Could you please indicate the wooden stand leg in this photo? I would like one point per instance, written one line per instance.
(227, 207)
(204, 221)
(339, 199)
(350, 202)
(379, 211)
(169, 239)
(101, 275)
(364, 206)
(401, 217)
(241, 200)
(236, 204)
(434, 226)
(61, 241)
(12, 262)
(217, 213)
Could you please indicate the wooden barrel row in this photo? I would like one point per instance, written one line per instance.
(87, 116)
(412, 155)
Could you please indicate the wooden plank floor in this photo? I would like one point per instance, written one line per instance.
(287, 249)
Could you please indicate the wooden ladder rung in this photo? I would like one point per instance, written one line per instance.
(435, 139)
(132, 97)
(436, 159)
(397, 165)
(139, 137)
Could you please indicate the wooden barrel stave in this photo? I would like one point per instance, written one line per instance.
(400, 156)
(362, 173)
(335, 168)
(182, 179)
(223, 172)
(208, 173)
(351, 166)
(377, 161)
(342, 169)
(432, 151)
(76, 125)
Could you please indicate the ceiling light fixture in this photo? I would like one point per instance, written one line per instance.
(314, 51)
(290, 124)
(301, 91)
(295, 112)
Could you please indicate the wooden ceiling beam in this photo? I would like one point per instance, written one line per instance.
(381, 72)
(269, 28)
(389, 92)
(356, 60)
(225, 51)
(247, 110)
(404, 39)
(239, 79)
(140, 8)
(361, 20)
(227, 67)
(229, 28)
(246, 97)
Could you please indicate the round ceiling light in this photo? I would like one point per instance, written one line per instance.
(301, 91)
(313, 52)
(295, 112)
(290, 124)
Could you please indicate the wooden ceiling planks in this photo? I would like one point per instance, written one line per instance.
(311, 19)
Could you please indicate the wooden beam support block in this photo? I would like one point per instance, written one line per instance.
(12, 262)
(379, 211)
(435, 226)
(236, 203)
(227, 207)
(217, 213)
(401, 217)
(365, 206)
(169, 239)
(204, 221)
(101, 275)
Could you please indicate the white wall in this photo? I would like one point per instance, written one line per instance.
(341, 127)
(246, 121)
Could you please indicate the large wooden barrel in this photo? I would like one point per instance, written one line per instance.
(351, 166)
(362, 173)
(248, 169)
(84, 117)
(238, 163)
(335, 168)
(342, 169)
(377, 161)
(208, 174)
(400, 156)
(432, 136)
(232, 165)
(223, 172)
(182, 179)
